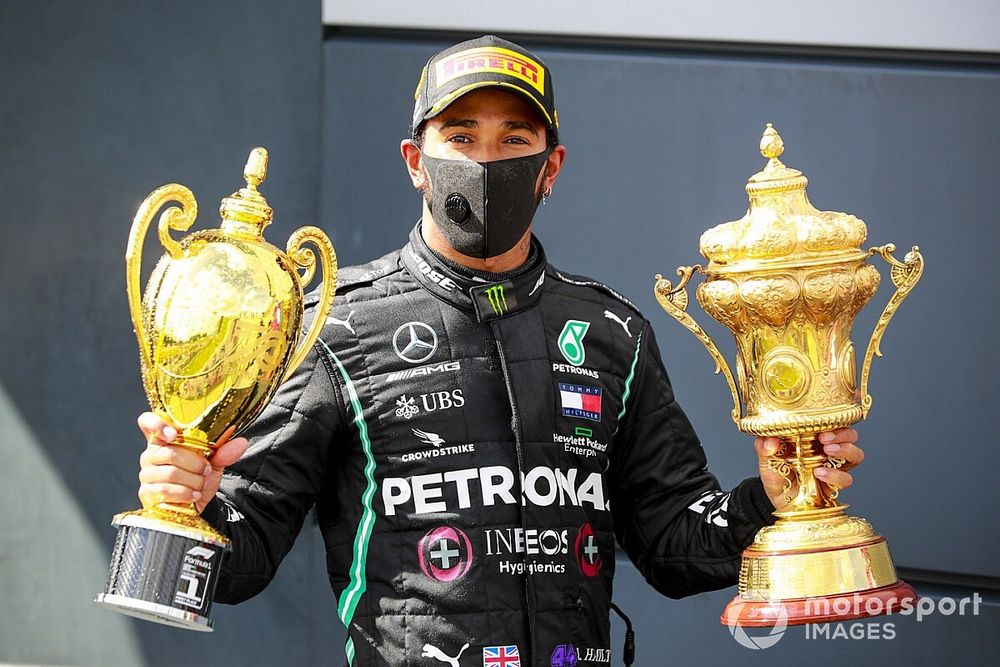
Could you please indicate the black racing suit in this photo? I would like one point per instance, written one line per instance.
(473, 450)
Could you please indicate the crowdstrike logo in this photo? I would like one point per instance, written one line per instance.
(440, 448)
(428, 438)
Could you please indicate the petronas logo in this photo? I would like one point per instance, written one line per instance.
(571, 341)
(497, 299)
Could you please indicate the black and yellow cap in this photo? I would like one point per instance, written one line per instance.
(485, 62)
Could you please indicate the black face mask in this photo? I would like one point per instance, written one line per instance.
(484, 208)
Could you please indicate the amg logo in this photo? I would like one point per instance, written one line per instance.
(423, 370)
(435, 275)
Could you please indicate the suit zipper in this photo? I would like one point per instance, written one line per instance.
(519, 448)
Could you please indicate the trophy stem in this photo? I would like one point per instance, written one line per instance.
(802, 455)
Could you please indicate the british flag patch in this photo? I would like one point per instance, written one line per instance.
(501, 656)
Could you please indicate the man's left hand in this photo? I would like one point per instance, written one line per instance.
(839, 444)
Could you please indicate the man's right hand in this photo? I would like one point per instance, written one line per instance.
(174, 474)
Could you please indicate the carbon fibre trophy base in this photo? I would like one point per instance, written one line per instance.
(164, 571)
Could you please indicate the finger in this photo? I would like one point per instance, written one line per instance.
(154, 494)
(229, 452)
(174, 455)
(852, 454)
(840, 479)
(766, 446)
(172, 475)
(155, 428)
(839, 435)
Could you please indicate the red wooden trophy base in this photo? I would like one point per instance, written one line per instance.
(825, 609)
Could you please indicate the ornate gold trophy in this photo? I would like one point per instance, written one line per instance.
(788, 280)
(216, 330)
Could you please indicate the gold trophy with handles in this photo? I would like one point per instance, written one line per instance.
(788, 281)
(217, 332)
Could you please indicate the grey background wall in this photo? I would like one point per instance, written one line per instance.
(102, 102)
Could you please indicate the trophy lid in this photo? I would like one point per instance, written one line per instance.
(247, 205)
(781, 227)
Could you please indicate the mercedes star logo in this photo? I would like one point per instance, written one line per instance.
(414, 342)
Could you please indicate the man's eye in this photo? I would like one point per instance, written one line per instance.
(460, 139)
(517, 140)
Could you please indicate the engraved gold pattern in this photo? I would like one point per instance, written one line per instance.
(788, 281)
(221, 314)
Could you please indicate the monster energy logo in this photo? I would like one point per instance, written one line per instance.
(571, 341)
(497, 299)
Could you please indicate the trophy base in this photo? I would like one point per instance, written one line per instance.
(164, 568)
(825, 609)
(819, 566)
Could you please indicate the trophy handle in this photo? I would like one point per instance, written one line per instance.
(173, 218)
(674, 300)
(305, 259)
(904, 276)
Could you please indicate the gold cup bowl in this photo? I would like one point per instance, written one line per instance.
(788, 281)
(217, 331)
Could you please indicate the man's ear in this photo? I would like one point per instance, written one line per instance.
(552, 167)
(414, 164)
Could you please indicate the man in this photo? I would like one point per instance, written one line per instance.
(475, 427)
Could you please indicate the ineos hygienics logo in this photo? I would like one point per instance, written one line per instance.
(414, 342)
(773, 633)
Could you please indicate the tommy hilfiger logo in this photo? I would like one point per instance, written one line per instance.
(581, 400)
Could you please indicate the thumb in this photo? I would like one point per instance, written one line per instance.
(229, 452)
(766, 447)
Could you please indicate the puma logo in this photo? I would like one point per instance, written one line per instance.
(431, 651)
(611, 316)
(344, 323)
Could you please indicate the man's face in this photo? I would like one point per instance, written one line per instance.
(485, 125)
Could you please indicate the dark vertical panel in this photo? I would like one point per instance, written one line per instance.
(101, 102)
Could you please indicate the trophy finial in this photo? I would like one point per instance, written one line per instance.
(771, 145)
(247, 205)
(256, 170)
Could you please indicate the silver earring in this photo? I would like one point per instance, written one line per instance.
(546, 194)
